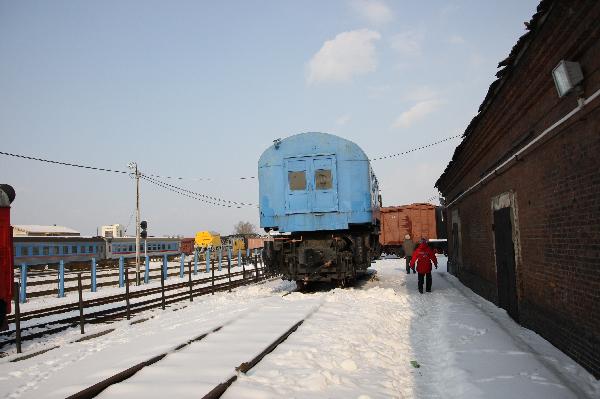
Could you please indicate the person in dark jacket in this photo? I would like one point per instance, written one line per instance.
(424, 256)
(409, 247)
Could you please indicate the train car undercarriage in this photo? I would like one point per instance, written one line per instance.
(330, 256)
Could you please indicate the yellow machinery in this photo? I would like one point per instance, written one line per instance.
(207, 239)
(237, 244)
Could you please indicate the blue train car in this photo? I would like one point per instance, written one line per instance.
(51, 250)
(320, 189)
(156, 247)
(35, 251)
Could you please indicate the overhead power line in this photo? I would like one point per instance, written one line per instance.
(211, 200)
(192, 195)
(201, 178)
(416, 148)
(205, 198)
(64, 163)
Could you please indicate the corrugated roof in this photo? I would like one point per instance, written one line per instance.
(506, 66)
(40, 229)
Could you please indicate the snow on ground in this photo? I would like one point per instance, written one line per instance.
(359, 343)
(362, 341)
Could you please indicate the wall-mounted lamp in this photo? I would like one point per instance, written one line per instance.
(567, 76)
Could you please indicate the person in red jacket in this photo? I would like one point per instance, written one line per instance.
(423, 256)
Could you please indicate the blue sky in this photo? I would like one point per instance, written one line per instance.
(199, 89)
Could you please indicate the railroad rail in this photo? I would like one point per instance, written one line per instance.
(263, 338)
(147, 299)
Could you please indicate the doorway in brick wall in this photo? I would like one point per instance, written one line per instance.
(505, 262)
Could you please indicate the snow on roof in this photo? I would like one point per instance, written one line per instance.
(40, 229)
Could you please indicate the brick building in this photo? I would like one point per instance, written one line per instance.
(522, 190)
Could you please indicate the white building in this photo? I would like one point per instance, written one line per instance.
(111, 231)
(37, 230)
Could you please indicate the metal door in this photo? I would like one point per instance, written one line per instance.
(324, 184)
(505, 263)
(297, 192)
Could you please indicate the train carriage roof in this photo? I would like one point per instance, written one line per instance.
(311, 143)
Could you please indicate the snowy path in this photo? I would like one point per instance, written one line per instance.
(359, 344)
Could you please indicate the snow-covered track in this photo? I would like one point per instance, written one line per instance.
(112, 307)
(222, 350)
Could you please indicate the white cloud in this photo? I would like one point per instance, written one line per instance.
(416, 113)
(375, 11)
(348, 54)
(342, 120)
(407, 44)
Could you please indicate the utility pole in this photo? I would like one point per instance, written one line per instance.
(133, 166)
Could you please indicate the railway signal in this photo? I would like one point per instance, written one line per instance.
(143, 233)
(143, 236)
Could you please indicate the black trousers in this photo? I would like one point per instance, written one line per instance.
(408, 258)
(427, 282)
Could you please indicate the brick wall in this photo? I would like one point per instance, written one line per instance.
(556, 187)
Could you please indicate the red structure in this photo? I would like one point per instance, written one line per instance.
(7, 195)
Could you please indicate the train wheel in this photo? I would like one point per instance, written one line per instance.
(301, 285)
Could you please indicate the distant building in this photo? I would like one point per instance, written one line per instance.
(35, 230)
(522, 189)
(112, 231)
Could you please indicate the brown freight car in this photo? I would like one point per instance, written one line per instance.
(257, 242)
(417, 220)
(187, 246)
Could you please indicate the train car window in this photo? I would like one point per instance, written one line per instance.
(74, 249)
(163, 246)
(82, 249)
(24, 251)
(45, 250)
(323, 179)
(36, 251)
(297, 180)
(65, 250)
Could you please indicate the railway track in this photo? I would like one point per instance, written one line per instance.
(219, 350)
(101, 311)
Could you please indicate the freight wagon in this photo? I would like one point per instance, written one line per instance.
(258, 242)
(187, 245)
(418, 221)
